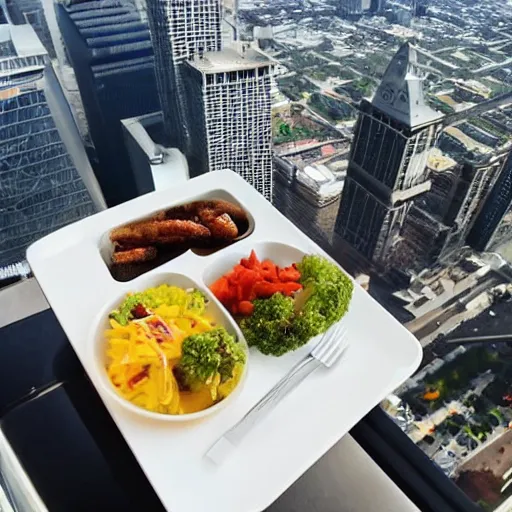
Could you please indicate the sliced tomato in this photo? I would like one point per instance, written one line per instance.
(245, 308)
(289, 274)
(269, 271)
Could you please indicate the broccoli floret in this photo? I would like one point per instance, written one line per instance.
(207, 354)
(326, 305)
(331, 292)
(268, 328)
(316, 269)
(123, 314)
(281, 324)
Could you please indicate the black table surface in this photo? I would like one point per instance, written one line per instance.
(55, 421)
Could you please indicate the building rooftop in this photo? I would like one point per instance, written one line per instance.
(437, 161)
(469, 143)
(22, 50)
(400, 93)
(111, 30)
(236, 57)
(24, 41)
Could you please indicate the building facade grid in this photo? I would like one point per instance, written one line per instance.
(41, 188)
(234, 123)
(180, 29)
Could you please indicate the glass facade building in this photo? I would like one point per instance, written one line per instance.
(110, 49)
(492, 228)
(40, 186)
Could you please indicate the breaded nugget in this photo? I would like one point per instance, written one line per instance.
(175, 240)
(193, 210)
(221, 226)
(235, 212)
(150, 232)
(136, 255)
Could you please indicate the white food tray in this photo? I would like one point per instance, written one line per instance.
(381, 355)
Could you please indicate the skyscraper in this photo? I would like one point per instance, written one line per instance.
(180, 29)
(421, 7)
(477, 181)
(387, 168)
(438, 224)
(110, 49)
(353, 8)
(377, 6)
(230, 114)
(43, 166)
(427, 225)
(493, 226)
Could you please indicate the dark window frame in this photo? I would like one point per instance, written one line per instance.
(419, 478)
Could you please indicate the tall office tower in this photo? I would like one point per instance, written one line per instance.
(44, 172)
(493, 226)
(230, 114)
(353, 8)
(32, 12)
(180, 29)
(377, 6)
(477, 181)
(421, 7)
(110, 49)
(428, 222)
(438, 224)
(387, 167)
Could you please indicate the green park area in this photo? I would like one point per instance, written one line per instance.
(294, 128)
(454, 378)
(358, 89)
(490, 128)
(295, 87)
(330, 108)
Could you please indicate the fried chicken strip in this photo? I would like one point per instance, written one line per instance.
(221, 226)
(184, 212)
(175, 240)
(218, 206)
(156, 231)
(136, 255)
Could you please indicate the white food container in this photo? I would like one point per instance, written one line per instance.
(98, 344)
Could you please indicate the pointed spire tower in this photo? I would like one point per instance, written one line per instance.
(387, 168)
(400, 94)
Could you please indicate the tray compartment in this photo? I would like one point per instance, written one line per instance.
(128, 272)
(281, 254)
(214, 309)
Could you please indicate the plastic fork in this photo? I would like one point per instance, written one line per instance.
(328, 350)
